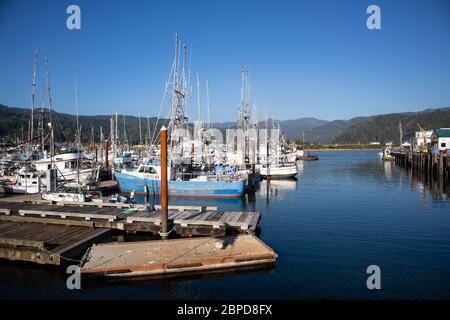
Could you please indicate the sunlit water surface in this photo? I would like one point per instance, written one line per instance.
(345, 212)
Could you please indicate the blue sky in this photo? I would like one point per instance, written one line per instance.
(306, 58)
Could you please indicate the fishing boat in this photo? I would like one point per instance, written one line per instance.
(183, 179)
(74, 192)
(278, 171)
(26, 181)
(387, 152)
(70, 165)
(308, 157)
(146, 181)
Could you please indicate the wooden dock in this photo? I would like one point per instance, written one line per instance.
(167, 258)
(428, 164)
(185, 220)
(45, 233)
(46, 243)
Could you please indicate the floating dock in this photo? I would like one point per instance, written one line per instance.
(45, 233)
(166, 258)
(185, 220)
(46, 243)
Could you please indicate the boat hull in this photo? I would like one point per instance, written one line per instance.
(129, 183)
(279, 172)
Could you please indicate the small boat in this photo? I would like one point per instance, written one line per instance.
(26, 181)
(387, 152)
(308, 157)
(74, 192)
(280, 171)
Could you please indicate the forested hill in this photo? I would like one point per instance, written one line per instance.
(384, 128)
(381, 128)
(15, 120)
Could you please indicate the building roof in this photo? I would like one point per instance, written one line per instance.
(442, 132)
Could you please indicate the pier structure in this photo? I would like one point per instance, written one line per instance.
(425, 163)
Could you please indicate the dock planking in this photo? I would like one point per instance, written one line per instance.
(185, 220)
(46, 243)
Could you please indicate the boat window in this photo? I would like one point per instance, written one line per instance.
(443, 144)
(141, 169)
(150, 170)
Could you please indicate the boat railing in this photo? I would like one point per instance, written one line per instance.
(209, 176)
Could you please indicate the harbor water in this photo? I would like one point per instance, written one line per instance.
(345, 212)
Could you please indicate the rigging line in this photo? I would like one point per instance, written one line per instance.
(167, 119)
(60, 256)
(58, 122)
(152, 138)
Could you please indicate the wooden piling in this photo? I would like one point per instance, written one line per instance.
(164, 194)
(427, 165)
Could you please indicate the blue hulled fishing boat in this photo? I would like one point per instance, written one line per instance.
(146, 181)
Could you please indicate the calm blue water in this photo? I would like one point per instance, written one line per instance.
(347, 211)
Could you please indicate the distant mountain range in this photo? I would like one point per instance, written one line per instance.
(381, 128)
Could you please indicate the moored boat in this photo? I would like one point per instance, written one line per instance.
(280, 171)
(308, 157)
(146, 181)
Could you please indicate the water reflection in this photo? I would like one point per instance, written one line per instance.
(277, 189)
(388, 167)
(344, 212)
(425, 185)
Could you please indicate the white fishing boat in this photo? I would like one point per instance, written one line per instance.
(25, 181)
(69, 165)
(74, 192)
(278, 171)
(387, 152)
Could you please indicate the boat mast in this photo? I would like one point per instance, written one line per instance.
(50, 107)
(140, 130)
(32, 95)
(178, 117)
(101, 144)
(78, 135)
(198, 101)
(116, 126)
(113, 138)
(41, 121)
(209, 105)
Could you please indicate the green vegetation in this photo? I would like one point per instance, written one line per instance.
(14, 123)
(312, 146)
(356, 133)
(385, 128)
